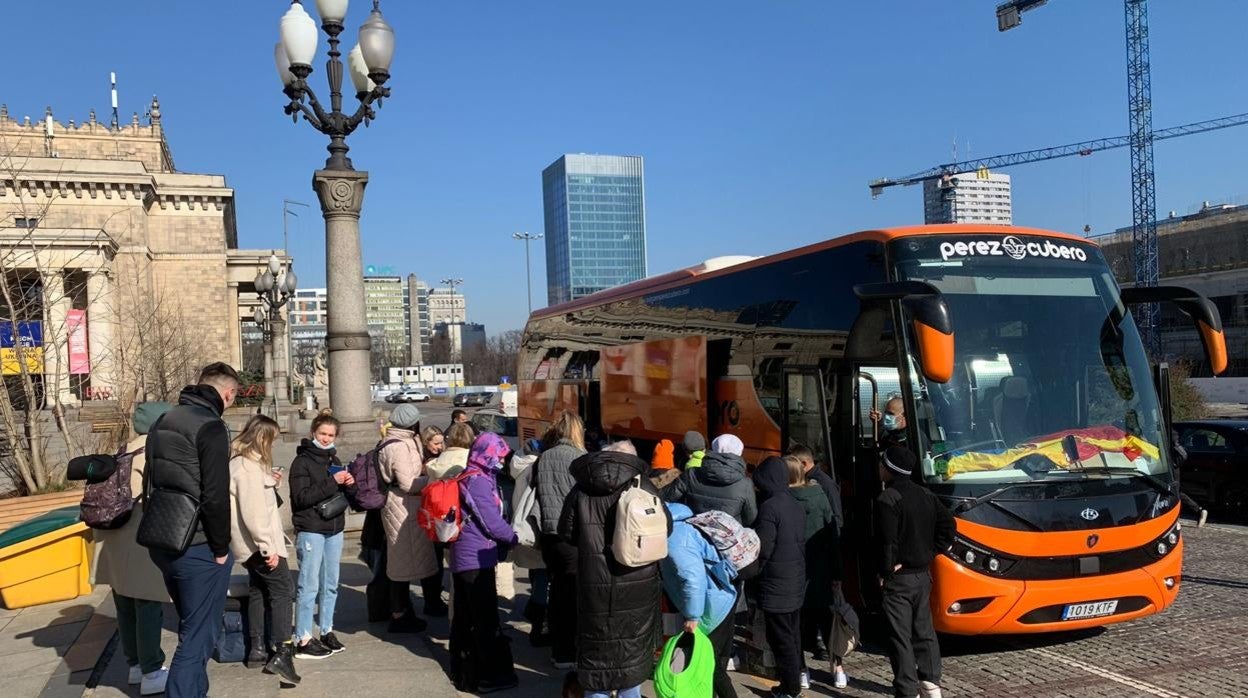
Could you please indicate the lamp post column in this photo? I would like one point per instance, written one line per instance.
(341, 193)
(270, 387)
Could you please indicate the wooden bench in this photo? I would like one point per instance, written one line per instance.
(18, 509)
(107, 426)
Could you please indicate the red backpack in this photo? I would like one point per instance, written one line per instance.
(441, 510)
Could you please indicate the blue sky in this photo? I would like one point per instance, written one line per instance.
(761, 122)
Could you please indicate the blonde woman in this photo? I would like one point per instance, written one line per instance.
(565, 442)
(256, 538)
(434, 442)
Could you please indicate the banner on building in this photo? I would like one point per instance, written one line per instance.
(76, 328)
(21, 341)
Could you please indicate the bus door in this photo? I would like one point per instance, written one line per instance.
(804, 417)
(874, 385)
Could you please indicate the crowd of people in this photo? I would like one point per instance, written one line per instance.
(209, 500)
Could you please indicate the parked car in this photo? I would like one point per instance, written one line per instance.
(1215, 473)
(495, 420)
(471, 399)
(408, 395)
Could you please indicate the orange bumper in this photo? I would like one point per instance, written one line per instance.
(1034, 606)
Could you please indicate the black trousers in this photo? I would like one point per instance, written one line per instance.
(561, 559)
(721, 641)
(816, 623)
(914, 651)
(431, 586)
(270, 602)
(784, 634)
(475, 626)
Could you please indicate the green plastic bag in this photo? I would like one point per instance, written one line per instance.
(687, 667)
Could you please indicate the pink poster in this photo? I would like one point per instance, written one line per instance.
(76, 327)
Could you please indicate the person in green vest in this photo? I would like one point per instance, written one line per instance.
(695, 448)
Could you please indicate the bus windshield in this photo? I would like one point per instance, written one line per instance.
(1051, 381)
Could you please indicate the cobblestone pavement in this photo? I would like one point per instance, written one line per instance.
(1197, 648)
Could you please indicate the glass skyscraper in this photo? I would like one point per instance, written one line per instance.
(595, 224)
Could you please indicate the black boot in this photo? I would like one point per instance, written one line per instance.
(283, 664)
(407, 623)
(536, 615)
(258, 655)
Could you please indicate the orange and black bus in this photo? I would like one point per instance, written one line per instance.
(1028, 395)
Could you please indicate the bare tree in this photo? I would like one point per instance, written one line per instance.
(39, 282)
(487, 363)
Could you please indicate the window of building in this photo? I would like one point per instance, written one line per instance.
(25, 223)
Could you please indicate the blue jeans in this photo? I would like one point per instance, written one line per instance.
(634, 692)
(319, 557)
(197, 585)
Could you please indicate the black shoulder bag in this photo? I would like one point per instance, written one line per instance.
(170, 517)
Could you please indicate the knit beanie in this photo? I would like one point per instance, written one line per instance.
(694, 442)
(899, 461)
(664, 455)
(146, 414)
(405, 416)
(728, 443)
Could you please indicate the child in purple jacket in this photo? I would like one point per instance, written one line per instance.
(480, 656)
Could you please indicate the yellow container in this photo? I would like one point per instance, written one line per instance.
(48, 566)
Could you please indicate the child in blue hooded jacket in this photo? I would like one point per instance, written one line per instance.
(698, 582)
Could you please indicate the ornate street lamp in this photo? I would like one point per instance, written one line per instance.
(339, 186)
(275, 286)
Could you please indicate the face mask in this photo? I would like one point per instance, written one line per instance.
(889, 422)
(327, 447)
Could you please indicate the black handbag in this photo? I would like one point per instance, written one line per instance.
(169, 521)
(333, 506)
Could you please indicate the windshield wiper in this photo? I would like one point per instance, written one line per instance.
(1131, 472)
(969, 504)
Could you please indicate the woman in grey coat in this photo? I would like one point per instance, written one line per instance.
(552, 477)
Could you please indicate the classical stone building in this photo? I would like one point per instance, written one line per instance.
(129, 268)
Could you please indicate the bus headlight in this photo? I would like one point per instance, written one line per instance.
(1168, 541)
(979, 558)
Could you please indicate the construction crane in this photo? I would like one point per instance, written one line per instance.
(1040, 154)
(1140, 138)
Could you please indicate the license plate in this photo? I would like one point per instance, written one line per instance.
(1096, 609)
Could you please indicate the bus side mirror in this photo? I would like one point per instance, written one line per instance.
(928, 313)
(1201, 310)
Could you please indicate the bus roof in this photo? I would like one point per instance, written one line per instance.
(674, 279)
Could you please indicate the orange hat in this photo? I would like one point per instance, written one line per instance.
(664, 455)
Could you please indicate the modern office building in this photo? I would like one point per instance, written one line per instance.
(308, 307)
(974, 197)
(595, 224)
(420, 329)
(385, 305)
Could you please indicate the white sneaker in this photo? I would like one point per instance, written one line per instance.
(806, 680)
(732, 664)
(1204, 518)
(154, 682)
(841, 680)
(927, 689)
(136, 675)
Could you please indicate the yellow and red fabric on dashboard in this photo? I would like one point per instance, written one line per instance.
(1090, 442)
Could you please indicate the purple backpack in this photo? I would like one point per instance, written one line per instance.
(370, 489)
(107, 505)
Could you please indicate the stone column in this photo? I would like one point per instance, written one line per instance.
(56, 307)
(341, 193)
(281, 356)
(236, 329)
(100, 332)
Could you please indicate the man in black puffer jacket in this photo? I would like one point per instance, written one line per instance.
(719, 483)
(188, 451)
(617, 606)
(782, 572)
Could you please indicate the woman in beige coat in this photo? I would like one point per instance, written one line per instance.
(259, 541)
(409, 552)
(138, 586)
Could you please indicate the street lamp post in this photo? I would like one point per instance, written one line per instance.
(451, 332)
(339, 187)
(275, 285)
(528, 277)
